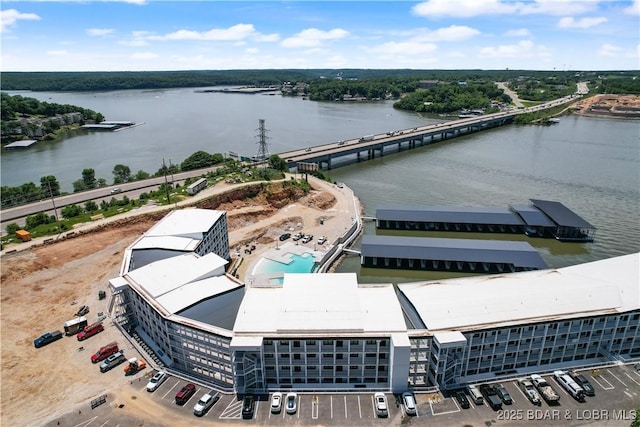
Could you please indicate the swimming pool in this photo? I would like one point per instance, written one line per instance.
(296, 263)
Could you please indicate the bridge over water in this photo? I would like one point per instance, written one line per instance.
(368, 147)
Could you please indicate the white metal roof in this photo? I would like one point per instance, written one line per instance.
(188, 294)
(312, 303)
(176, 243)
(606, 286)
(185, 222)
(162, 277)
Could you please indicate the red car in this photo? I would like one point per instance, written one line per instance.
(185, 394)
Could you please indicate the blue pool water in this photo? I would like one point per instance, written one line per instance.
(304, 263)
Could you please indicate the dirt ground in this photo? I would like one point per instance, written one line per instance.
(609, 106)
(42, 287)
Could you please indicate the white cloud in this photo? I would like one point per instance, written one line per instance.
(523, 49)
(453, 33)
(634, 9)
(469, 8)
(9, 18)
(609, 50)
(57, 52)
(234, 33)
(520, 32)
(99, 32)
(312, 37)
(570, 22)
(144, 56)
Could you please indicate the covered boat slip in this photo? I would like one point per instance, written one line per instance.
(458, 255)
(541, 219)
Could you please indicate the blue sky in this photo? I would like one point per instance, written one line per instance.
(140, 35)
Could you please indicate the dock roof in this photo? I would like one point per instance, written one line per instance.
(533, 216)
(21, 144)
(600, 287)
(560, 214)
(451, 214)
(520, 254)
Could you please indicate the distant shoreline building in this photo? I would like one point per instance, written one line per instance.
(319, 332)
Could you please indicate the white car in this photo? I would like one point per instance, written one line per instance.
(322, 240)
(116, 190)
(381, 404)
(276, 403)
(205, 403)
(291, 403)
(156, 381)
(307, 238)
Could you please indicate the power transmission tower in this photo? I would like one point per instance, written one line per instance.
(263, 150)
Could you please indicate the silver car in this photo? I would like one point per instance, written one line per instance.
(156, 381)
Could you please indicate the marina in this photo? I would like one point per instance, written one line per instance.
(542, 218)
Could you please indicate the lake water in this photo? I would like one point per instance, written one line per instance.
(590, 165)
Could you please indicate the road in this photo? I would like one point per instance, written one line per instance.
(512, 94)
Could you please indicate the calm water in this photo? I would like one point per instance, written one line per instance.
(590, 165)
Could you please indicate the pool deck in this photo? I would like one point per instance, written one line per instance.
(278, 254)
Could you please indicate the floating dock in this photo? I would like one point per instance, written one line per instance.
(25, 143)
(540, 219)
(456, 255)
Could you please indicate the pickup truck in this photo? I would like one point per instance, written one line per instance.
(546, 391)
(491, 396)
(530, 391)
(47, 338)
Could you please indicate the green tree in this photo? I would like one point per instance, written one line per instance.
(90, 206)
(89, 178)
(140, 175)
(38, 219)
(198, 160)
(79, 185)
(12, 228)
(71, 211)
(636, 421)
(50, 186)
(121, 174)
(277, 163)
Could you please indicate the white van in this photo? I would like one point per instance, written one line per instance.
(570, 385)
(475, 394)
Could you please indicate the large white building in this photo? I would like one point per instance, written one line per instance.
(328, 332)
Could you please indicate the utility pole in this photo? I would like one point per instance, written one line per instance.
(166, 184)
(172, 183)
(53, 202)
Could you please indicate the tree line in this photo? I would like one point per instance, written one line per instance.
(50, 186)
(15, 106)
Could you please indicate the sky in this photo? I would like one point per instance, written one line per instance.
(151, 35)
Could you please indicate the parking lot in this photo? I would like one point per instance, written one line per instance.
(617, 397)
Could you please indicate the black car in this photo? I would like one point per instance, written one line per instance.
(284, 236)
(503, 394)
(247, 407)
(462, 399)
(584, 383)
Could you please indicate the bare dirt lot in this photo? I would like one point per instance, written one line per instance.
(43, 287)
(609, 106)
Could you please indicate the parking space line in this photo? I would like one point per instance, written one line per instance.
(373, 407)
(614, 376)
(345, 406)
(444, 413)
(631, 378)
(628, 394)
(611, 387)
(169, 391)
(331, 406)
(359, 407)
(315, 408)
(105, 423)
(86, 423)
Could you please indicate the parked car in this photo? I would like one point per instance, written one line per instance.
(530, 391)
(307, 238)
(462, 399)
(291, 403)
(409, 403)
(322, 240)
(491, 397)
(503, 394)
(156, 380)
(475, 394)
(205, 403)
(185, 394)
(248, 402)
(584, 383)
(284, 236)
(276, 403)
(382, 410)
(112, 361)
(298, 236)
(82, 311)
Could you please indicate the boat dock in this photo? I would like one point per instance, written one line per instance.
(455, 255)
(542, 218)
